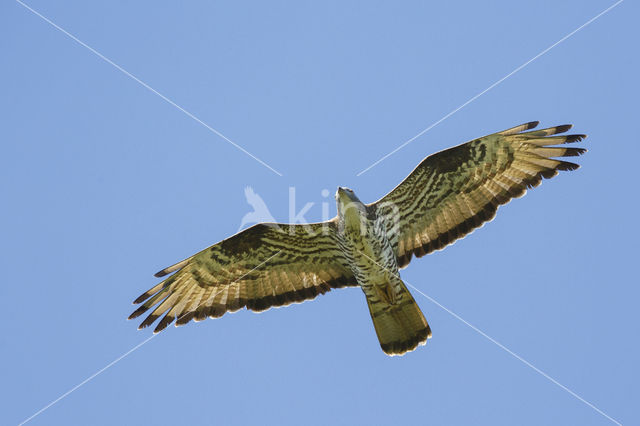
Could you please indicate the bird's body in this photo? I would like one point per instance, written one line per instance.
(447, 196)
(399, 323)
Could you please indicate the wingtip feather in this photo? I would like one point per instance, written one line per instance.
(144, 296)
(164, 322)
(520, 128)
(171, 268)
(148, 321)
(563, 128)
(574, 152)
(135, 314)
(567, 166)
(575, 138)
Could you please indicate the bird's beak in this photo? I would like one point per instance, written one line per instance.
(341, 194)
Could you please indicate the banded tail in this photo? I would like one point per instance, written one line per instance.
(399, 323)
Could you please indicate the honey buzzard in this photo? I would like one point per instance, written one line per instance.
(446, 197)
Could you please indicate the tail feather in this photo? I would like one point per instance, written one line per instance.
(400, 326)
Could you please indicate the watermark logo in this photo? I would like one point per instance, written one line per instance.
(260, 211)
(388, 213)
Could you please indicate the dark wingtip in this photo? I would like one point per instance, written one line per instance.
(575, 138)
(148, 321)
(562, 128)
(141, 310)
(164, 322)
(574, 152)
(567, 166)
(134, 314)
(172, 268)
(144, 296)
(161, 273)
(185, 318)
(532, 124)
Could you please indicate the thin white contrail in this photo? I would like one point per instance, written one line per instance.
(500, 345)
(490, 87)
(115, 361)
(515, 355)
(88, 379)
(133, 77)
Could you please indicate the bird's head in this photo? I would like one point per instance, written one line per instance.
(346, 195)
(347, 199)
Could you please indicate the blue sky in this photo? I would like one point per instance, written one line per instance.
(103, 182)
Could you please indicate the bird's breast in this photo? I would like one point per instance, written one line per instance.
(371, 255)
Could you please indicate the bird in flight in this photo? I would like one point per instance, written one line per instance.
(447, 196)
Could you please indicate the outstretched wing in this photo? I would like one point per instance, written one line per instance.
(456, 190)
(263, 266)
